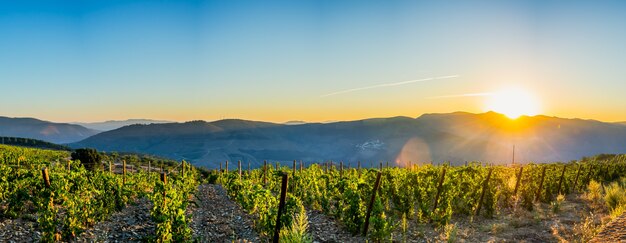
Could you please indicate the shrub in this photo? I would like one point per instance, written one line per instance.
(89, 158)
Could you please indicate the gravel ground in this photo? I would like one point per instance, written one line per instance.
(615, 231)
(132, 224)
(218, 219)
(325, 229)
(18, 230)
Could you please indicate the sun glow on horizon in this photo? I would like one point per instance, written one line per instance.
(513, 103)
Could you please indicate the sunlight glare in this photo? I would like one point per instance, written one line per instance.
(513, 103)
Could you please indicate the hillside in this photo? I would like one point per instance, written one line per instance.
(58, 133)
(31, 143)
(454, 137)
(112, 125)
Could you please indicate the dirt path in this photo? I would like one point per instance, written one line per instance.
(218, 219)
(132, 224)
(615, 231)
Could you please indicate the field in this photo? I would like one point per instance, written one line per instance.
(325, 202)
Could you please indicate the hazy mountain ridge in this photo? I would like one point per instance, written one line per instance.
(456, 137)
(114, 124)
(43, 130)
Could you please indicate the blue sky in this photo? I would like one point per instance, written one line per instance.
(276, 60)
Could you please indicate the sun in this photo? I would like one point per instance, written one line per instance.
(513, 103)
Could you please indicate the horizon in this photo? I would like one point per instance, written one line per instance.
(279, 61)
(326, 121)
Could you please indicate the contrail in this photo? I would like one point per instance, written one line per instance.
(460, 95)
(389, 85)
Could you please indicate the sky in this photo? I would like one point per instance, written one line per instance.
(323, 60)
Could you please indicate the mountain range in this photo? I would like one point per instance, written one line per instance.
(59, 133)
(454, 137)
(112, 124)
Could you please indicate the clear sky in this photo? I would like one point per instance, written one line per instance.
(307, 60)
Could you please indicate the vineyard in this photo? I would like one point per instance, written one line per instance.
(65, 199)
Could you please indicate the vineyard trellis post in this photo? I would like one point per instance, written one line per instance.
(182, 169)
(543, 174)
(220, 168)
(149, 167)
(164, 180)
(124, 172)
(281, 206)
(226, 167)
(239, 168)
(519, 179)
(341, 169)
(294, 167)
(301, 166)
(482, 193)
(577, 174)
(264, 172)
(558, 191)
(68, 165)
(371, 204)
(439, 186)
(359, 168)
(248, 169)
(588, 176)
(46, 177)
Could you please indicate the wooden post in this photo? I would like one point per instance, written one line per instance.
(277, 166)
(371, 204)
(220, 167)
(300, 166)
(124, 172)
(294, 167)
(46, 177)
(443, 176)
(226, 168)
(281, 206)
(110, 167)
(543, 174)
(513, 160)
(239, 168)
(588, 176)
(68, 165)
(381, 166)
(561, 180)
(482, 194)
(519, 178)
(164, 180)
(577, 174)
(149, 167)
(264, 172)
(341, 169)
(358, 169)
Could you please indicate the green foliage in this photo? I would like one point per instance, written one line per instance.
(89, 158)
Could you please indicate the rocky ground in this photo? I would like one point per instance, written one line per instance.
(215, 218)
(18, 230)
(132, 224)
(324, 229)
(613, 232)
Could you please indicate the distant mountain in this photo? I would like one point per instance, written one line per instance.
(455, 137)
(58, 133)
(112, 125)
(621, 123)
(294, 123)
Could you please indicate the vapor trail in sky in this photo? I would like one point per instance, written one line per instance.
(388, 85)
